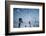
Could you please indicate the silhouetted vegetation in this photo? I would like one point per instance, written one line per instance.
(20, 21)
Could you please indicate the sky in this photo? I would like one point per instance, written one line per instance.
(27, 14)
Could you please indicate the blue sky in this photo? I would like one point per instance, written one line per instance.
(26, 14)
